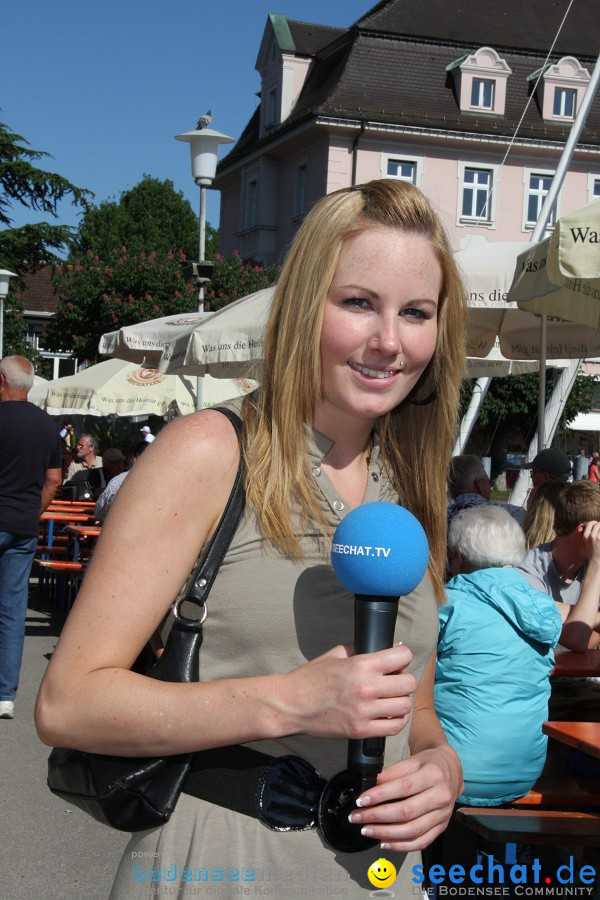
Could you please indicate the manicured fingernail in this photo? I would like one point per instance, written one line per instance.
(354, 818)
(363, 801)
(386, 846)
(366, 831)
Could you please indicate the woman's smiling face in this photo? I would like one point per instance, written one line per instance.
(380, 324)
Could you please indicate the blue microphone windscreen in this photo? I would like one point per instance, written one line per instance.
(381, 550)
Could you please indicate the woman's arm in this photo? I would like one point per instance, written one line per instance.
(413, 799)
(166, 508)
(581, 622)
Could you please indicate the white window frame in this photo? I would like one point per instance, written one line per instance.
(528, 174)
(593, 186)
(563, 93)
(489, 220)
(418, 162)
(480, 84)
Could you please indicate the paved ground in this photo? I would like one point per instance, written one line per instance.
(48, 850)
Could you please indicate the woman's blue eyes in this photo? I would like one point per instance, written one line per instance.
(409, 311)
(357, 301)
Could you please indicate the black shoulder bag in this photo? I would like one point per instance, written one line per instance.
(136, 793)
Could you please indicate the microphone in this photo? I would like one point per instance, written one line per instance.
(379, 553)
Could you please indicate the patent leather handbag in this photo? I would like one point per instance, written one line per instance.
(134, 794)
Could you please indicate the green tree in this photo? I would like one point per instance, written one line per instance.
(152, 216)
(28, 247)
(95, 296)
(510, 411)
(21, 182)
(233, 278)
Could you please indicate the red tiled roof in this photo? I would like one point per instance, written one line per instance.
(38, 294)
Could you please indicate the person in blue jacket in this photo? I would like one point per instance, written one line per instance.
(495, 656)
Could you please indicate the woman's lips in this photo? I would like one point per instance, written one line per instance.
(373, 373)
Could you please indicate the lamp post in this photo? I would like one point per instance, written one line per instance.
(5, 277)
(204, 147)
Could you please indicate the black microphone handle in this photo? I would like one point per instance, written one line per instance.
(374, 626)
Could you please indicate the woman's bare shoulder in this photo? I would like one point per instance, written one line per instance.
(203, 442)
(188, 471)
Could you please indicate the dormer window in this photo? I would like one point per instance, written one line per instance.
(481, 82)
(482, 94)
(564, 103)
(561, 88)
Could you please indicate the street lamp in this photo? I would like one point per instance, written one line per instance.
(204, 147)
(5, 277)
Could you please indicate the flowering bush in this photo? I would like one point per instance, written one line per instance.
(233, 278)
(95, 296)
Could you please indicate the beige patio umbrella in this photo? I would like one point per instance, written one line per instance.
(144, 342)
(560, 276)
(115, 387)
(494, 315)
(230, 341)
(227, 343)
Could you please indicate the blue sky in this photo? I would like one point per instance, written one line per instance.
(104, 86)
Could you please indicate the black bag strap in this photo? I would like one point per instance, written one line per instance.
(206, 569)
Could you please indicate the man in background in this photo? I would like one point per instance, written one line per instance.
(580, 466)
(30, 474)
(113, 463)
(469, 485)
(550, 464)
(86, 459)
(110, 492)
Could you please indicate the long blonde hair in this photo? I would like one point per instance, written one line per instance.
(414, 436)
(538, 524)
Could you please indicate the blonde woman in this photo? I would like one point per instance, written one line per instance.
(364, 355)
(538, 524)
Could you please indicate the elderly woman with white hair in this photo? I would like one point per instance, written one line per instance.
(495, 655)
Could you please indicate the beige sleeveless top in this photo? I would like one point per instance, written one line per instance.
(269, 615)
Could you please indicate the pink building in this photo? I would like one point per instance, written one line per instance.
(423, 90)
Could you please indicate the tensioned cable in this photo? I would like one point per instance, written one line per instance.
(531, 96)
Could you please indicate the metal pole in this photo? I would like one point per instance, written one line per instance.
(201, 252)
(202, 243)
(480, 389)
(550, 200)
(554, 411)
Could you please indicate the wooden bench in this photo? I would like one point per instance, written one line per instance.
(561, 791)
(59, 580)
(543, 826)
(54, 550)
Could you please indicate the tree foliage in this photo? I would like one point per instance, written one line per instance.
(152, 216)
(23, 183)
(14, 339)
(96, 296)
(510, 409)
(233, 278)
(131, 266)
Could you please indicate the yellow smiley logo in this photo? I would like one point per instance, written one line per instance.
(382, 873)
